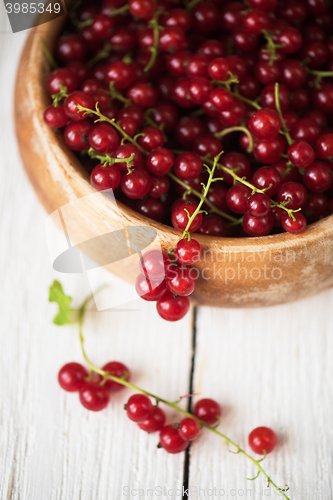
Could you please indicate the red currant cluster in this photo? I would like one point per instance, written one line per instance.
(94, 392)
(153, 91)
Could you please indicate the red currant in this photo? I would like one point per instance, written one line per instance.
(295, 224)
(139, 408)
(265, 123)
(105, 177)
(208, 411)
(172, 308)
(188, 252)
(258, 226)
(189, 429)
(72, 376)
(155, 422)
(93, 396)
(118, 370)
(180, 217)
(136, 184)
(171, 440)
(262, 439)
(301, 154)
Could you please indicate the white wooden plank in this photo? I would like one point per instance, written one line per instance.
(268, 367)
(51, 447)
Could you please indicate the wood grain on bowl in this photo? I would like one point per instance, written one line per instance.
(244, 272)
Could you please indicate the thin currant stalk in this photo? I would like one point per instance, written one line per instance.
(102, 118)
(47, 54)
(170, 404)
(237, 128)
(190, 190)
(319, 75)
(192, 4)
(156, 35)
(285, 129)
(56, 98)
(117, 95)
(103, 54)
(271, 47)
(254, 104)
(107, 160)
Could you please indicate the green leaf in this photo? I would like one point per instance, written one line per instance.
(66, 312)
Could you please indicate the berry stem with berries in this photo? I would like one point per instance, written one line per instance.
(66, 317)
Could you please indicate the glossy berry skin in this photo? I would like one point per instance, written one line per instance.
(118, 370)
(213, 225)
(268, 151)
(255, 21)
(218, 69)
(221, 99)
(93, 396)
(143, 9)
(126, 151)
(237, 197)
(77, 97)
(305, 129)
(171, 440)
(265, 177)
(293, 74)
(136, 184)
(103, 138)
(323, 97)
(160, 186)
(120, 74)
(318, 177)
(208, 411)
(258, 226)
(292, 40)
(150, 207)
(207, 145)
(171, 38)
(55, 117)
(231, 117)
(267, 97)
(301, 154)
(139, 408)
(236, 161)
(262, 439)
(293, 226)
(152, 138)
(63, 76)
(160, 161)
(171, 308)
(72, 376)
(188, 165)
(324, 147)
(180, 217)
(155, 265)
(155, 422)
(76, 135)
(259, 205)
(265, 124)
(70, 47)
(142, 94)
(189, 429)
(199, 89)
(267, 73)
(294, 193)
(105, 177)
(188, 252)
(181, 280)
(149, 290)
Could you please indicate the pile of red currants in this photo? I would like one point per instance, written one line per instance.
(94, 393)
(210, 116)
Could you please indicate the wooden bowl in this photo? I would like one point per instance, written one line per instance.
(245, 272)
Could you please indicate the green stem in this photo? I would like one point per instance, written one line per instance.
(271, 47)
(285, 129)
(319, 75)
(112, 122)
(200, 196)
(173, 405)
(236, 94)
(226, 131)
(107, 160)
(192, 4)
(103, 54)
(56, 98)
(154, 49)
(117, 95)
(48, 56)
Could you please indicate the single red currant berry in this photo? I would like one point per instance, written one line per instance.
(244, 41)
(207, 145)
(231, 117)
(323, 97)
(143, 95)
(160, 161)
(262, 439)
(237, 198)
(305, 129)
(155, 422)
(105, 177)
(152, 138)
(132, 111)
(324, 147)
(188, 165)
(258, 226)
(149, 290)
(136, 184)
(155, 265)
(294, 193)
(268, 178)
(61, 76)
(265, 124)
(269, 151)
(126, 151)
(213, 225)
(93, 396)
(55, 117)
(139, 408)
(208, 411)
(295, 224)
(172, 308)
(76, 135)
(259, 205)
(199, 89)
(171, 441)
(189, 429)
(187, 251)
(70, 47)
(171, 38)
(317, 54)
(218, 69)
(268, 73)
(181, 280)
(159, 185)
(293, 74)
(150, 207)
(120, 74)
(318, 177)
(277, 214)
(255, 21)
(128, 126)
(212, 48)
(101, 26)
(72, 376)
(71, 101)
(103, 138)
(291, 39)
(221, 99)
(118, 370)
(178, 17)
(301, 154)
(142, 8)
(180, 217)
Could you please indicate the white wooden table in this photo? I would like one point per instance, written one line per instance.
(266, 367)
